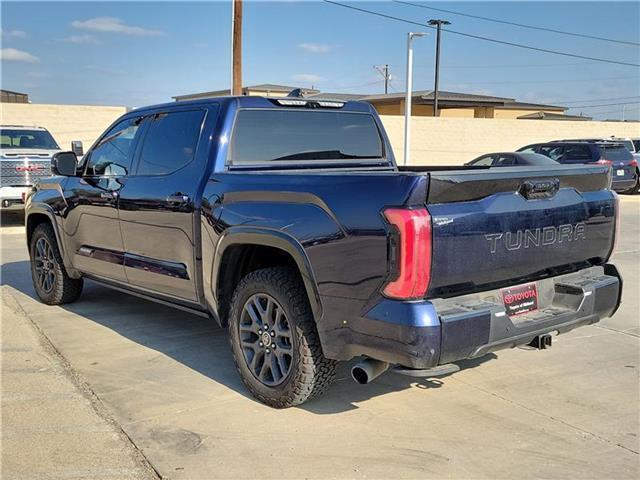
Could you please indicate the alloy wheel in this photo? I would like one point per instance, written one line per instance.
(45, 265)
(265, 338)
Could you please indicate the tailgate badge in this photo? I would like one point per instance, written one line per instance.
(535, 189)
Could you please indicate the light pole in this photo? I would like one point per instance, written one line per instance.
(408, 94)
(438, 24)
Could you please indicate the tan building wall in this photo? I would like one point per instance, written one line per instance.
(65, 122)
(453, 141)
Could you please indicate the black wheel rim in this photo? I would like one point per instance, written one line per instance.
(265, 339)
(44, 263)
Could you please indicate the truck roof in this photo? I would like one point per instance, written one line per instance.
(254, 101)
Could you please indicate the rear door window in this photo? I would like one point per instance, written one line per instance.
(277, 135)
(552, 151)
(577, 153)
(171, 142)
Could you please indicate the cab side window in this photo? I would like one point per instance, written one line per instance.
(503, 161)
(113, 155)
(486, 161)
(171, 142)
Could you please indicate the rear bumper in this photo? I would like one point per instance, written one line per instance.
(622, 185)
(428, 333)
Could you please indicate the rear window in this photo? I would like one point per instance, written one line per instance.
(616, 153)
(263, 136)
(27, 139)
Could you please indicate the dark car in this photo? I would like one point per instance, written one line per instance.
(289, 223)
(624, 167)
(512, 159)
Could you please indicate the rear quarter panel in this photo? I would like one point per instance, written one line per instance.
(335, 218)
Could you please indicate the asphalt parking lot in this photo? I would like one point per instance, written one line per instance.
(167, 380)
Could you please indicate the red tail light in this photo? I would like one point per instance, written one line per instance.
(602, 161)
(412, 253)
(634, 163)
(616, 219)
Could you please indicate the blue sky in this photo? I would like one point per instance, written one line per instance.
(137, 53)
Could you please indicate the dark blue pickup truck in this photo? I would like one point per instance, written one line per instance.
(288, 221)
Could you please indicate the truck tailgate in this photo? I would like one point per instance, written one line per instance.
(505, 226)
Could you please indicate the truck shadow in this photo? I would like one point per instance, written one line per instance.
(200, 344)
(12, 218)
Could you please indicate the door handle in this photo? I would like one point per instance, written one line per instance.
(109, 195)
(178, 198)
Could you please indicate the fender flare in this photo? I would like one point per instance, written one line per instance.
(269, 238)
(41, 208)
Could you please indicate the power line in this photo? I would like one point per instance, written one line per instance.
(509, 82)
(532, 27)
(606, 105)
(594, 100)
(607, 112)
(486, 39)
(529, 65)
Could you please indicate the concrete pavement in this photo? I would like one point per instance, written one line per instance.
(52, 426)
(167, 379)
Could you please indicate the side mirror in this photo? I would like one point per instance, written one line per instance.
(64, 163)
(76, 147)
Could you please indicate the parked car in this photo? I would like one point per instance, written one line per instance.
(624, 167)
(289, 223)
(512, 159)
(25, 156)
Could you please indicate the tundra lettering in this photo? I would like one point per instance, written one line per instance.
(288, 222)
(537, 237)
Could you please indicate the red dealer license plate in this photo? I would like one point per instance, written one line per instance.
(520, 299)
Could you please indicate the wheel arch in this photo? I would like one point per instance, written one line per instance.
(241, 250)
(38, 214)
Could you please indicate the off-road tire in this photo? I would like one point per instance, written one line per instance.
(310, 372)
(64, 289)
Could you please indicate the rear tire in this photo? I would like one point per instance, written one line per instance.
(636, 188)
(50, 279)
(272, 304)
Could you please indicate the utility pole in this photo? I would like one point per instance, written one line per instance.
(438, 24)
(408, 95)
(236, 47)
(384, 71)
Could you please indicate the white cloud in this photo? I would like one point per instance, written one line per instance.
(14, 33)
(113, 25)
(314, 47)
(81, 40)
(15, 55)
(307, 78)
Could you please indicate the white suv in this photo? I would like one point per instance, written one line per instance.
(25, 156)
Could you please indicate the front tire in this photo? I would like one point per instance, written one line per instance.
(50, 279)
(274, 340)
